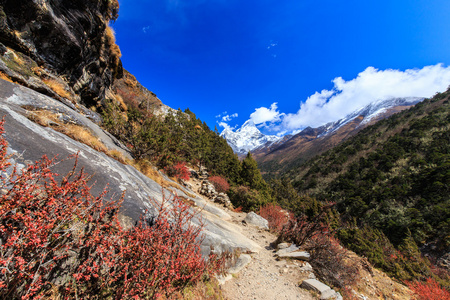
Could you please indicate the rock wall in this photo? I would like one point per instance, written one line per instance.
(68, 38)
(29, 141)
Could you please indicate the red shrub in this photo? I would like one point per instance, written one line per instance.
(328, 258)
(275, 215)
(179, 171)
(220, 183)
(57, 239)
(429, 290)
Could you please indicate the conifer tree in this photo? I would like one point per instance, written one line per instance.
(251, 176)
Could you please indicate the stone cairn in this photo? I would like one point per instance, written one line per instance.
(207, 189)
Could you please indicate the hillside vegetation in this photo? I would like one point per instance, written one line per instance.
(391, 180)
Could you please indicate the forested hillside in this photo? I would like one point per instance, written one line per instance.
(391, 179)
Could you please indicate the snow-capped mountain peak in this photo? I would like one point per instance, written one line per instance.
(247, 138)
(371, 112)
(250, 138)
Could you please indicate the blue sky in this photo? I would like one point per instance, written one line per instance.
(285, 64)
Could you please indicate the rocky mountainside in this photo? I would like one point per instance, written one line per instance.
(29, 141)
(312, 141)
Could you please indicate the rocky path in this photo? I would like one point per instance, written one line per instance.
(265, 277)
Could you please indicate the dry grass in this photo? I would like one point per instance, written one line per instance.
(117, 155)
(82, 135)
(5, 77)
(122, 103)
(46, 118)
(209, 290)
(76, 132)
(111, 42)
(58, 88)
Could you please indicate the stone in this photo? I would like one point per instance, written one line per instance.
(256, 220)
(223, 199)
(194, 174)
(315, 285)
(444, 261)
(289, 249)
(331, 295)
(302, 255)
(241, 262)
(306, 267)
(222, 279)
(324, 290)
(208, 189)
(283, 246)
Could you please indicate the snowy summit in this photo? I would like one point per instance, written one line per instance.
(247, 138)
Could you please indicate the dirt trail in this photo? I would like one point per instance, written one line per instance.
(265, 277)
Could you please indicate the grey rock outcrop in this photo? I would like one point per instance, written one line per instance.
(324, 290)
(29, 142)
(256, 220)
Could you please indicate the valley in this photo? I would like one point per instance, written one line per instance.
(109, 193)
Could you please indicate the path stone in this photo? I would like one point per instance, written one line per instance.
(283, 246)
(325, 291)
(302, 255)
(254, 219)
(292, 248)
(315, 285)
(242, 261)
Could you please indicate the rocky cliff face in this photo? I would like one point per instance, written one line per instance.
(57, 45)
(29, 141)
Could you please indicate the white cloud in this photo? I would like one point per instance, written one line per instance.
(272, 44)
(228, 118)
(347, 96)
(221, 114)
(146, 29)
(370, 85)
(264, 114)
(224, 118)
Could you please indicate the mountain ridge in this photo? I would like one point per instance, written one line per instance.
(249, 138)
(312, 141)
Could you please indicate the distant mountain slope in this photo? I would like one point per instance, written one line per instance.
(393, 176)
(312, 141)
(247, 138)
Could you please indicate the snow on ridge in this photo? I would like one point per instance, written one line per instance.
(249, 137)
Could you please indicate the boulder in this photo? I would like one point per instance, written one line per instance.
(241, 262)
(208, 189)
(444, 261)
(256, 220)
(324, 290)
(302, 255)
(289, 249)
(223, 199)
(283, 246)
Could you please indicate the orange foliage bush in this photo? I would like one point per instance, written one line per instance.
(429, 290)
(275, 215)
(220, 183)
(178, 170)
(59, 241)
(330, 260)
